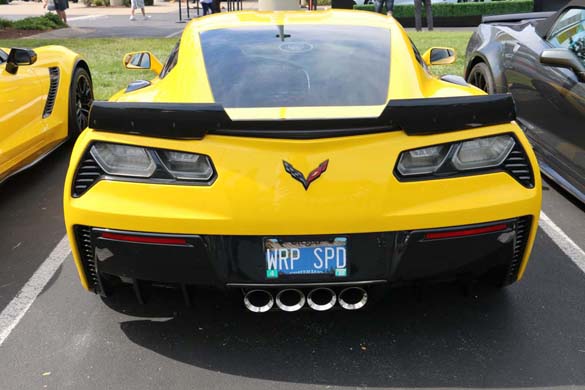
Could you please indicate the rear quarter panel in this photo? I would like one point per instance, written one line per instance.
(487, 45)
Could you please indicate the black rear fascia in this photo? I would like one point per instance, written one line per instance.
(194, 120)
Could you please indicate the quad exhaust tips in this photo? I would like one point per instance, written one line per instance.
(258, 301)
(318, 299)
(353, 298)
(321, 299)
(290, 300)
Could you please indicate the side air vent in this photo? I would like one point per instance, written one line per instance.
(518, 166)
(87, 174)
(522, 233)
(83, 238)
(51, 97)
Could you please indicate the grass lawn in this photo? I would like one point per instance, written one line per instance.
(104, 55)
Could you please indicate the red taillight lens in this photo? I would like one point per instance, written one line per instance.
(145, 239)
(466, 232)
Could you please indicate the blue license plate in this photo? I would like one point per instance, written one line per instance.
(306, 257)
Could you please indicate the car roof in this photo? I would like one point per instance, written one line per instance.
(271, 18)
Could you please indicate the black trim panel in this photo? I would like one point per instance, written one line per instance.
(238, 261)
(54, 76)
(194, 121)
(161, 120)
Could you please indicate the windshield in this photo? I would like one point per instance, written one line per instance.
(298, 65)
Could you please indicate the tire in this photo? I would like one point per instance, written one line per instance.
(80, 99)
(481, 77)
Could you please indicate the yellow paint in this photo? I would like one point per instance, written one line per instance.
(253, 195)
(24, 134)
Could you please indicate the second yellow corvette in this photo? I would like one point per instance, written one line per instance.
(45, 96)
(304, 159)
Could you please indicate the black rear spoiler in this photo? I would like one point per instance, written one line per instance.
(515, 18)
(194, 121)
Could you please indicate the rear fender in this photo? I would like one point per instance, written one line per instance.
(489, 52)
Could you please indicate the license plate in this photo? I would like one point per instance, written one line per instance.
(306, 257)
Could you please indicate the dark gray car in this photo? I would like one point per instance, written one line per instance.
(540, 59)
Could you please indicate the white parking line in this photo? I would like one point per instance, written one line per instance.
(564, 242)
(17, 308)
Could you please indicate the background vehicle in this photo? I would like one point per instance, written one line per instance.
(257, 161)
(540, 59)
(45, 96)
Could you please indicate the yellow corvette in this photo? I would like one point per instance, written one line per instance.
(45, 96)
(307, 159)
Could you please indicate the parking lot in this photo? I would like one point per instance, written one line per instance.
(55, 335)
(529, 335)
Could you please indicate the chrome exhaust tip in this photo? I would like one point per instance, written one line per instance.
(290, 299)
(258, 301)
(353, 298)
(321, 299)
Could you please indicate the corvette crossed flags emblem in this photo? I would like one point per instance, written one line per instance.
(313, 175)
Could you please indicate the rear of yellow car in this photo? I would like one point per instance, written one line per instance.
(294, 194)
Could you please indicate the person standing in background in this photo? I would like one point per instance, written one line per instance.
(59, 6)
(216, 6)
(418, 14)
(380, 6)
(134, 5)
(206, 4)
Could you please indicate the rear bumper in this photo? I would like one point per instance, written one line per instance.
(238, 261)
(254, 197)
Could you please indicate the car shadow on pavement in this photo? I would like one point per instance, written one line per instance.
(529, 335)
(442, 338)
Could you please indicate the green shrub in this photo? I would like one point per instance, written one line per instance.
(4, 23)
(47, 22)
(462, 9)
(55, 19)
(3, 2)
(323, 2)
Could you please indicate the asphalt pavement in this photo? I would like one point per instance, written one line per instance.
(164, 21)
(530, 335)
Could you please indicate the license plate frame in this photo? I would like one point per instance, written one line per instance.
(305, 258)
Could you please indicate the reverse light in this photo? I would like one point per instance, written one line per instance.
(187, 166)
(482, 152)
(123, 160)
(422, 161)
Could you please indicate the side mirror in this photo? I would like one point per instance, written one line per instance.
(563, 58)
(439, 56)
(142, 60)
(19, 57)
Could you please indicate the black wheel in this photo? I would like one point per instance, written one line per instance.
(80, 99)
(481, 77)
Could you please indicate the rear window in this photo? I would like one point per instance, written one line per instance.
(298, 65)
